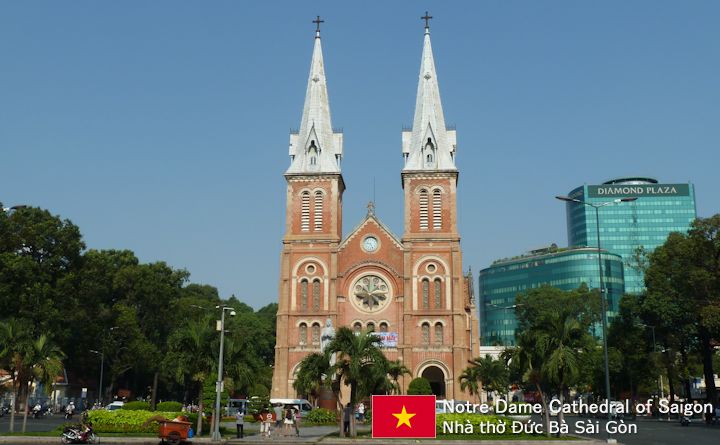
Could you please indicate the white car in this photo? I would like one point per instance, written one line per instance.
(114, 406)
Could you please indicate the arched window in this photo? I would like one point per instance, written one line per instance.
(425, 293)
(437, 210)
(313, 152)
(302, 334)
(429, 158)
(371, 327)
(316, 295)
(316, 333)
(423, 209)
(438, 293)
(357, 327)
(318, 214)
(425, 328)
(383, 327)
(439, 334)
(305, 212)
(303, 295)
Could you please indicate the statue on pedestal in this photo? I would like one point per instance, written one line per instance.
(326, 336)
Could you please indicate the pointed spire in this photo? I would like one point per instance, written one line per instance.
(430, 145)
(315, 148)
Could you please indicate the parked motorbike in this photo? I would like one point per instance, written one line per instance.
(79, 434)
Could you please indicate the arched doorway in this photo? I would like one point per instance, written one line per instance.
(436, 377)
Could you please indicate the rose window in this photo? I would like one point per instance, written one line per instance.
(371, 293)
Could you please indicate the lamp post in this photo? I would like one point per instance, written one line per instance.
(102, 366)
(219, 382)
(17, 207)
(603, 300)
(495, 306)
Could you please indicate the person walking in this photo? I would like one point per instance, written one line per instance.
(240, 423)
(288, 421)
(278, 409)
(347, 413)
(296, 421)
(361, 412)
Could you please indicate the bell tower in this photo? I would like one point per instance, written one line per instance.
(313, 229)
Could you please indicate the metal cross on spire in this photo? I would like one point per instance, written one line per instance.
(317, 21)
(427, 20)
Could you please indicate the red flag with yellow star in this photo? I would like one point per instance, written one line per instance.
(403, 416)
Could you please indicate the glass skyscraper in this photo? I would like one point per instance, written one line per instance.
(624, 227)
(565, 269)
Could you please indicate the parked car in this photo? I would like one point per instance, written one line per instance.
(115, 406)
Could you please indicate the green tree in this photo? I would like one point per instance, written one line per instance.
(356, 356)
(493, 373)
(191, 358)
(683, 289)
(396, 369)
(470, 380)
(311, 375)
(419, 386)
(44, 363)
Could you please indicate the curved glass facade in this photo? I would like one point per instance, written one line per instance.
(566, 270)
(646, 222)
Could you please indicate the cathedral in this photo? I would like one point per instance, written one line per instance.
(410, 290)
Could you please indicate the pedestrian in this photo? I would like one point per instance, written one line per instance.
(288, 421)
(240, 423)
(361, 412)
(347, 413)
(277, 408)
(296, 421)
(267, 421)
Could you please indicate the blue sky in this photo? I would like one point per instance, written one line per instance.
(162, 127)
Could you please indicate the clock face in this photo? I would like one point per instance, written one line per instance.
(370, 244)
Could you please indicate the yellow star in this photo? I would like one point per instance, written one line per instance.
(403, 418)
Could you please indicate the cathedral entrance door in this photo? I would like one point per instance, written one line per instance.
(436, 377)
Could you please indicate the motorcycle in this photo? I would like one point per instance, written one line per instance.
(684, 420)
(37, 412)
(79, 434)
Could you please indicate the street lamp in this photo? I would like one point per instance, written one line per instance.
(219, 382)
(662, 391)
(17, 207)
(495, 306)
(102, 367)
(603, 300)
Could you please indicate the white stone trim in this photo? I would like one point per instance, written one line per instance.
(446, 278)
(295, 281)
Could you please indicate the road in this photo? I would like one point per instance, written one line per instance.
(43, 424)
(657, 432)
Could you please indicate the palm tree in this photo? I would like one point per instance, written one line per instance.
(357, 355)
(44, 363)
(493, 373)
(396, 369)
(561, 341)
(191, 349)
(470, 380)
(14, 344)
(311, 375)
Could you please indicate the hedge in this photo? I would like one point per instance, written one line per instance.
(125, 421)
(321, 415)
(169, 407)
(137, 405)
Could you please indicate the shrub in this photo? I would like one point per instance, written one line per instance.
(193, 419)
(321, 415)
(125, 421)
(169, 406)
(419, 386)
(137, 406)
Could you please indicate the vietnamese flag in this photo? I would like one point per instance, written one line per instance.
(403, 416)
